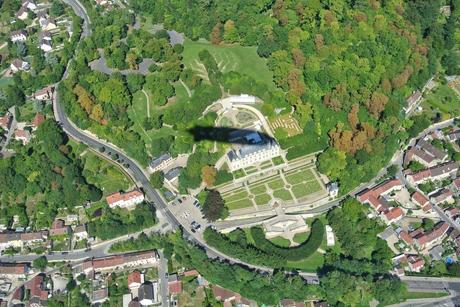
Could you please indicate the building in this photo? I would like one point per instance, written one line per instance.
(425, 153)
(135, 280)
(445, 196)
(21, 239)
(58, 228)
(38, 294)
(99, 296)
(412, 101)
(45, 94)
(22, 13)
(174, 284)
(333, 189)
(430, 238)
(5, 121)
(330, 239)
(455, 186)
(80, 233)
(125, 200)
(393, 215)
(453, 136)
(19, 65)
(438, 172)
(30, 5)
(45, 45)
(436, 252)
(422, 201)
(14, 270)
(45, 35)
(38, 120)
(415, 263)
(102, 2)
(160, 163)
(451, 212)
(230, 298)
(46, 23)
(111, 263)
(18, 36)
(148, 294)
(23, 136)
(254, 148)
(173, 174)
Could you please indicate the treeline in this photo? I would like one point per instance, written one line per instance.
(115, 224)
(262, 251)
(45, 166)
(143, 242)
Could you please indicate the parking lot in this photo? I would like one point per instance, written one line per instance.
(187, 209)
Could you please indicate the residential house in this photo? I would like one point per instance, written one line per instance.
(160, 163)
(71, 219)
(416, 263)
(135, 280)
(5, 121)
(45, 45)
(292, 303)
(99, 296)
(173, 174)
(102, 2)
(451, 212)
(174, 284)
(23, 136)
(412, 101)
(333, 189)
(445, 196)
(80, 233)
(37, 121)
(405, 237)
(45, 35)
(45, 94)
(455, 186)
(38, 294)
(58, 228)
(46, 23)
(19, 65)
(393, 215)
(148, 293)
(110, 263)
(431, 238)
(29, 5)
(229, 297)
(14, 270)
(18, 36)
(453, 136)
(22, 13)
(436, 252)
(422, 201)
(425, 153)
(438, 172)
(125, 200)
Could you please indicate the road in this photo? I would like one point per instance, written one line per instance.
(9, 135)
(162, 270)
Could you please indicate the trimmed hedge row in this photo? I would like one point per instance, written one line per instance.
(297, 253)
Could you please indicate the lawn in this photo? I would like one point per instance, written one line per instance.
(301, 237)
(299, 176)
(282, 194)
(276, 183)
(4, 81)
(239, 173)
(239, 204)
(311, 264)
(236, 196)
(237, 58)
(280, 241)
(303, 189)
(257, 189)
(277, 160)
(104, 174)
(443, 99)
(262, 199)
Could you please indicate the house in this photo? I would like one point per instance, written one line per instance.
(380, 190)
(102, 2)
(58, 228)
(99, 296)
(19, 65)
(38, 294)
(110, 263)
(80, 233)
(18, 36)
(425, 153)
(292, 303)
(412, 101)
(455, 185)
(22, 135)
(230, 298)
(443, 196)
(160, 163)
(254, 148)
(405, 237)
(71, 219)
(46, 23)
(45, 35)
(430, 238)
(148, 294)
(190, 273)
(173, 174)
(29, 5)
(415, 263)
(393, 215)
(45, 94)
(174, 284)
(37, 121)
(451, 212)
(5, 121)
(333, 189)
(422, 201)
(125, 200)
(135, 280)
(22, 13)
(436, 252)
(45, 45)
(14, 270)
(453, 136)
(438, 172)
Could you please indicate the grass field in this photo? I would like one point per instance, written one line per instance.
(239, 204)
(280, 241)
(276, 183)
(419, 295)
(282, 194)
(303, 189)
(259, 189)
(238, 194)
(262, 199)
(104, 175)
(311, 264)
(4, 81)
(237, 58)
(299, 176)
(443, 99)
(300, 237)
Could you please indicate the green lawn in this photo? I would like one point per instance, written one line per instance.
(301, 237)
(419, 295)
(277, 160)
(239, 204)
(259, 189)
(444, 100)
(262, 199)
(239, 173)
(299, 176)
(311, 264)
(4, 81)
(280, 241)
(282, 194)
(104, 175)
(237, 196)
(276, 183)
(237, 58)
(303, 189)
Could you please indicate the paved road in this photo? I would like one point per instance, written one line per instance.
(9, 135)
(162, 270)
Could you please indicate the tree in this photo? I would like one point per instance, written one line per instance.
(216, 34)
(427, 224)
(40, 263)
(230, 32)
(213, 207)
(157, 179)
(208, 175)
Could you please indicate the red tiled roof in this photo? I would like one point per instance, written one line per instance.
(420, 198)
(457, 182)
(427, 207)
(134, 277)
(38, 119)
(405, 237)
(394, 213)
(13, 268)
(116, 197)
(434, 234)
(191, 273)
(175, 287)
